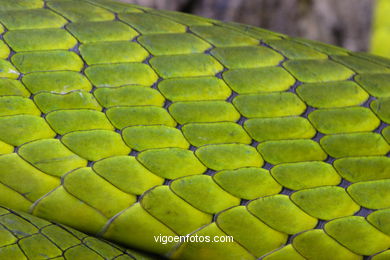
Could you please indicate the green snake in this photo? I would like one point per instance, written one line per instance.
(122, 127)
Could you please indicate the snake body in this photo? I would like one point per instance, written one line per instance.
(128, 123)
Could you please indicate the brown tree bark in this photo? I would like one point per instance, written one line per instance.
(345, 23)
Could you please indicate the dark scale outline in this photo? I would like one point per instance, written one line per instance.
(192, 148)
(380, 128)
(345, 184)
(167, 104)
(242, 119)
(90, 248)
(14, 190)
(306, 113)
(167, 182)
(352, 78)
(290, 238)
(287, 191)
(155, 86)
(147, 59)
(330, 160)
(179, 127)
(211, 173)
(20, 248)
(372, 256)
(269, 166)
(321, 224)
(367, 103)
(317, 137)
(90, 164)
(254, 143)
(294, 87)
(364, 212)
(244, 202)
(134, 153)
(232, 96)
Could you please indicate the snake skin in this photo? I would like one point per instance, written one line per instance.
(126, 123)
(23, 236)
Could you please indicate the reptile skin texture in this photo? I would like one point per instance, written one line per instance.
(119, 123)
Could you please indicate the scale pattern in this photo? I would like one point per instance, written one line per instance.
(27, 237)
(125, 122)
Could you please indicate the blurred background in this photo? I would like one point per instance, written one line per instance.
(359, 25)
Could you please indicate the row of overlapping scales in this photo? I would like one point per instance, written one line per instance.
(127, 123)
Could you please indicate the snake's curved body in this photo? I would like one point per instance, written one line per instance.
(129, 124)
